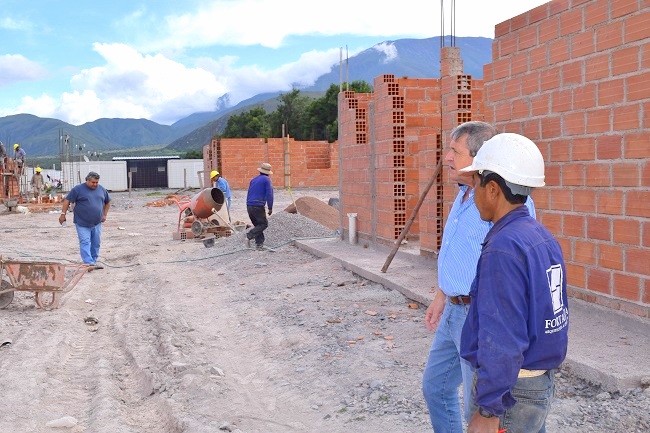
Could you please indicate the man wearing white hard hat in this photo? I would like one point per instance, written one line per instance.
(516, 332)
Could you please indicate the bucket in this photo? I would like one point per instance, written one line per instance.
(203, 203)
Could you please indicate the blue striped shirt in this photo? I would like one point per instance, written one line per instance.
(461, 244)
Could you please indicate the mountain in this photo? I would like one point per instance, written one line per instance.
(414, 58)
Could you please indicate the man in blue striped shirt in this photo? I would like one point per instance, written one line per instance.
(461, 247)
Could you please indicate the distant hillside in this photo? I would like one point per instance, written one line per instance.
(414, 58)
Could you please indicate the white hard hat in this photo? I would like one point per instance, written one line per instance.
(513, 157)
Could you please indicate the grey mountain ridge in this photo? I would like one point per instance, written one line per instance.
(414, 58)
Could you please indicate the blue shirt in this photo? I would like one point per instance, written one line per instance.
(519, 314)
(89, 204)
(461, 244)
(260, 191)
(222, 184)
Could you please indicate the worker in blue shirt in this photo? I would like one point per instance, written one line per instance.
(219, 182)
(463, 234)
(516, 332)
(260, 194)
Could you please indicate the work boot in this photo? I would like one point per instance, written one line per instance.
(259, 247)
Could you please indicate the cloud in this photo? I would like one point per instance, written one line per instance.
(389, 50)
(15, 68)
(268, 23)
(9, 23)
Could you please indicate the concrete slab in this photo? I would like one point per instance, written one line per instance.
(606, 347)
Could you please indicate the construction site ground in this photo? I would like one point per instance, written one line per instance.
(307, 335)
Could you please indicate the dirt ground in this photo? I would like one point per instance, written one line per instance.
(174, 337)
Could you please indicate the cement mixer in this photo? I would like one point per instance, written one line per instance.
(203, 215)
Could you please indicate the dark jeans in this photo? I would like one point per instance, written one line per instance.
(257, 214)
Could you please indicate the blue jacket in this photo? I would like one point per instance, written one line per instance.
(222, 184)
(519, 314)
(260, 191)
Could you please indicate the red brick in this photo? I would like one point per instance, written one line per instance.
(598, 121)
(584, 97)
(552, 175)
(538, 58)
(538, 14)
(646, 291)
(645, 174)
(596, 12)
(599, 281)
(645, 238)
(573, 225)
(540, 104)
(611, 91)
(636, 260)
(573, 123)
(572, 73)
(552, 221)
(518, 63)
(583, 149)
(623, 7)
(609, 146)
(598, 175)
(637, 145)
(637, 203)
(599, 228)
(561, 100)
(551, 127)
(548, 30)
(627, 286)
(645, 56)
(571, 21)
(519, 21)
(597, 67)
(625, 174)
(627, 231)
(625, 60)
(584, 201)
(575, 275)
(573, 174)
(557, 7)
(541, 198)
(582, 44)
(507, 45)
(520, 108)
(558, 51)
(530, 84)
(637, 27)
(609, 36)
(610, 202)
(527, 38)
(584, 252)
(550, 78)
(626, 117)
(610, 256)
(638, 86)
(565, 245)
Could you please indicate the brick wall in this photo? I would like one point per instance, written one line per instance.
(295, 164)
(574, 76)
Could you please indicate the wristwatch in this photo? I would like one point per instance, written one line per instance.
(484, 413)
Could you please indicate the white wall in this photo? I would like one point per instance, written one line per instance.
(182, 173)
(112, 174)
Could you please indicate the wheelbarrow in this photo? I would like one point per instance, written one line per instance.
(48, 280)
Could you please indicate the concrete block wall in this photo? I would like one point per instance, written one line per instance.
(310, 164)
(574, 76)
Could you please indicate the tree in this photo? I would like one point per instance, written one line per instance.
(251, 124)
(193, 154)
(323, 112)
(292, 113)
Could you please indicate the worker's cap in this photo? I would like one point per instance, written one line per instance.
(214, 173)
(16, 146)
(38, 169)
(265, 168)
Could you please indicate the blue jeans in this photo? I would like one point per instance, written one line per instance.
(534, 396)
(445, 371)
(89, 242)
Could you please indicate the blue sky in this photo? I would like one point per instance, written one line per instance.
(164, 60)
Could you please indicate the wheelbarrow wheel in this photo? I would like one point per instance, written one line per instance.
(6, 297)
(47, 300)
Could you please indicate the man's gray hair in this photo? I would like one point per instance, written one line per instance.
(92, 175)
(477, 134)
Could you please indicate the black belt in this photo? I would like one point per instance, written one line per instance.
(460, 300)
